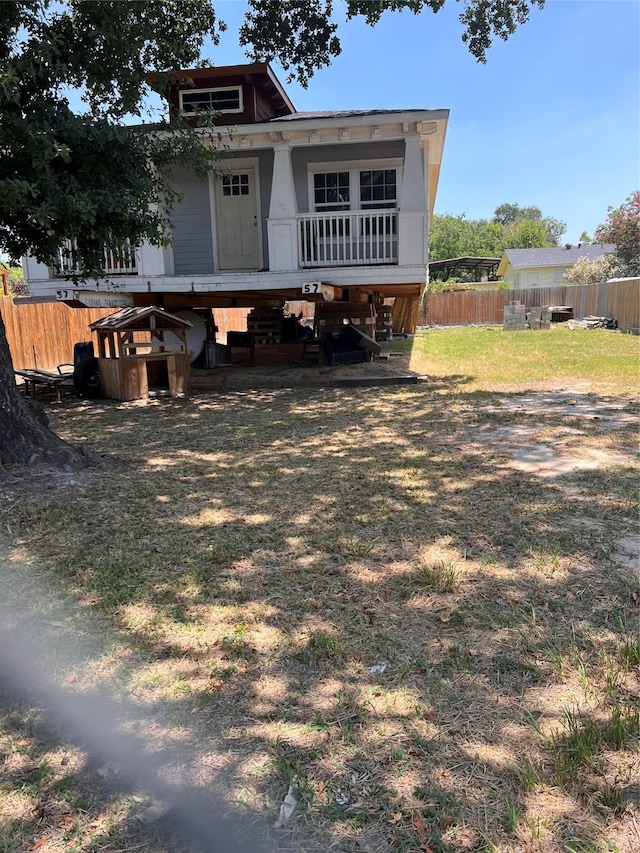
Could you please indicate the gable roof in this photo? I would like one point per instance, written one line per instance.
(259, 74)
(140, 319)
(556, 256)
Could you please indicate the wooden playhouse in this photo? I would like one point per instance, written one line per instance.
(141, 352)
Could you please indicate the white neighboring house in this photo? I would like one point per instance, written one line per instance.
(341, 200)
(522, 268)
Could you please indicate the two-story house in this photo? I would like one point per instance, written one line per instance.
(308, 205)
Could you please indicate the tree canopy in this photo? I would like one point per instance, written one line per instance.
(513, 214)
(302, 36)
(511, 227)
(83, 174)
(622, 228)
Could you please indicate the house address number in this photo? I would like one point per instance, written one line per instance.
(311, 287)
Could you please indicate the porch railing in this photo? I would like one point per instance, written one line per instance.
(120, 261)
(350, 238)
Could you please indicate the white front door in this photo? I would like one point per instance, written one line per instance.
(237, 218)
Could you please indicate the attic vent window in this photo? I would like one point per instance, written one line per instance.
(227, 100)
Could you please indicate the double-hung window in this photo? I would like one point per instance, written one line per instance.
(379, 190)
(334, 188)
(332, 191)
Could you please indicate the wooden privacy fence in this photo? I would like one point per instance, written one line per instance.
(618, 299)
(43, 335)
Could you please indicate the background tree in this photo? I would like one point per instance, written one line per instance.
(456, 236)
(506, 213)
(513, 214)
(512, 227)
(527, 234)
(622, 228)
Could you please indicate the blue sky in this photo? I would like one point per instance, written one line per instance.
(552, 119)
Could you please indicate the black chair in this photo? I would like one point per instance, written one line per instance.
(86, 372)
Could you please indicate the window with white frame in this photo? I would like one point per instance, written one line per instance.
(331, 191)
(378, 189)
(338, 187)
(225, 100)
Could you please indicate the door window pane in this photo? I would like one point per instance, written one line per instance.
(235, 185)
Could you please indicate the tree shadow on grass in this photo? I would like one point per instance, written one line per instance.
(260, 553)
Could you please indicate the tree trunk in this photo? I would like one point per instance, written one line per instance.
(25, 437)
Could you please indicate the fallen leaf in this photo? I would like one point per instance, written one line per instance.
(419, 823)
(446, 772)
(38, 844)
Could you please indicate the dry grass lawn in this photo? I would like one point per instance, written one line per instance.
(377, 596)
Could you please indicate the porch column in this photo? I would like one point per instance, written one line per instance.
(150, 259)
(413, 242)
(282, 232)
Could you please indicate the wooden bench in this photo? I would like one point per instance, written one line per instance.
(33, 378)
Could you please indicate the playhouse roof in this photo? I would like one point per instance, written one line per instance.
(149, 317)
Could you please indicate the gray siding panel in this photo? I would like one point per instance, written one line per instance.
(191, 218)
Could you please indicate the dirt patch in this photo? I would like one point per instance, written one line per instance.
(296, 374)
